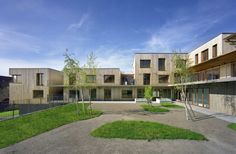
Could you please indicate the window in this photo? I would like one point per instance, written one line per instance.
(109, 78)
(163, 78)
(204, 55)
(127, 93)
(161, 64)
(39, 79)
(91, 78)
(140, 93)
(146, 79)
(196, 59)
(37, 93)
(72, 94)
(107, 94)
(213, 74)
(93, 94)
(145, 63)
(16, 78)
(214, 51)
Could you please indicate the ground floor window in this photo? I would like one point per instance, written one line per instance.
(200, 97)
(37, 93)
(107, 94)
(93, 94)
(72, 94)
(127, 93)
(140, 93)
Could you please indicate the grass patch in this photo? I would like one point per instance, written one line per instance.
(9, 113)
(232, 126)
(21, 128)
(154, 109)
(144, 130)
(171, 105)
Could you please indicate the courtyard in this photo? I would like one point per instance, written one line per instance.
(76, 138)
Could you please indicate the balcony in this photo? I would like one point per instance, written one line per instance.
(127, 79)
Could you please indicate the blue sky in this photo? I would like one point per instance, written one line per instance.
(36, 33)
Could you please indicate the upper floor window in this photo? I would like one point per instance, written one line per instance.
(214, 51)
(161, 64)
(204, 55)
(91, 78)
(109, 78)
(17, 78)
(196, 59)
(145, 63)
(146, 79)
(163, 78)
(39, 79)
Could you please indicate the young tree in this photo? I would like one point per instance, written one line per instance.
(148, 94)
(181, 75)
(72, 70)
(91, 67)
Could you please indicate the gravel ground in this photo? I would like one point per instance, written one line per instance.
(75, 137)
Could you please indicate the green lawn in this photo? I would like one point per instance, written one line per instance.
(21, 128)
(154, 109)
(232, 126)
(144, 130)
(171, 105)
(9, 113)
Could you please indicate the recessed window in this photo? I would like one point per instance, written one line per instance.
(127, 93)
(204, 55)
(214, 51)
(196, 59)
(145, 63)
(16, 78)
(37, 93)
(163, 78)
(91, 78)
(107, 94)
(161, 64)
(140, 93)
(146, 79)
(109, 78)
(39, 79)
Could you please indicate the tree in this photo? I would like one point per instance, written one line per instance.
(148, 94)
(91, 67)
(72, 71)
(181, 75)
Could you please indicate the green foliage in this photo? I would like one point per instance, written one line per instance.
(154, 109)
(148, 93)
(171, 105)
(144, 130)
(232, 126)
(9, 113)
(21, 128)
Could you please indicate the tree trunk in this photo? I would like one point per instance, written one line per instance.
(76, 101)
(90, 103)
(82, 97)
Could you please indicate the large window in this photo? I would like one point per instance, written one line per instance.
(145, 63)
(196, 59)
(37, 93)
(93, 94)
(109, 78)
(140, 93)
(127, 93)
(204, 55)
(72, 94)
(39, 79)
(146, 79)
(107, 94)
(16, 78)
(163, 78)
(214, 51)
(233, 69)
(213, 74)
(161, 64)
(91, 78)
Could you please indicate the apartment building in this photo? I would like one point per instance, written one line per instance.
(213, 85)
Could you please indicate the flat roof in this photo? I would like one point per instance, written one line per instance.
(159, 53)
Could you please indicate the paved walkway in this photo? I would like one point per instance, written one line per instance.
(75, 137)
(222, 116)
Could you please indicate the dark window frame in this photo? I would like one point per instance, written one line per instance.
(214, 51)
(146, 81)
(160, 78)
(127, 93)
(107, 80)
(161, 64)
(39, 79)
(196, 59)
(205, 55)
(145, 63)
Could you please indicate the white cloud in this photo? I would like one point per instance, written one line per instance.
(11, 40)
(79, 24)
